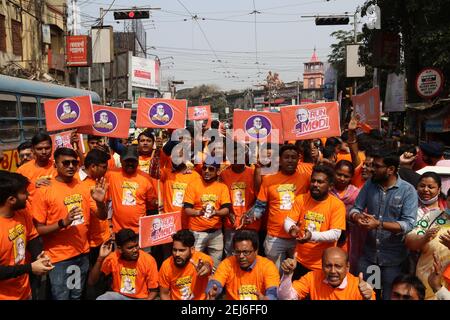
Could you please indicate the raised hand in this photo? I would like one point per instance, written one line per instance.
(159, 143)
(353, 124)
(201, 267)
(435, 277)
(364, 288)
(407, 158)
(288, 266)
(75, 140)
(98, 193)
(211, 295)
(105, 249)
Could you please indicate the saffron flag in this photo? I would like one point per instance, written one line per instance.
(311, 121)
(109, 122)
(161, 113)
(367, 106)
(254, 125)
(158, 229)
(67, 113)
(199, 113)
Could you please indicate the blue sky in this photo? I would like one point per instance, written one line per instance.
(223, 45)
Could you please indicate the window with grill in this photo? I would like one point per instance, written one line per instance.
(16, 28)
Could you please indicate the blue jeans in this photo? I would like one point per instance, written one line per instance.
(68, 278)
(385, 278)
(112, 295)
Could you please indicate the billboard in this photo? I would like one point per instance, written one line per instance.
(78, 51)
(353, 68)
(144, 73)
(102, 44)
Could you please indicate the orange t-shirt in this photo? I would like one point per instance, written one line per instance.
(33, 172)
(15, 232)
(174, 185)
(129, 195)
(242, 193)
(184, 283)
(144, 163)
(99, 230)
(343, 156)
(279, 191)
(132, 278)
(357, 179)
(312, 284)
(244, 285)
(317, 216)
(305, 167)
(53, 203)
(199, 194)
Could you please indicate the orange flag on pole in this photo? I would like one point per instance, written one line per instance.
(199, 113)
(257, 126)
(161, 113)
(367, 106)
(109, 122)
(67, 113)
(311, 121)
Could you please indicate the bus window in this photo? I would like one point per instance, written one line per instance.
(30, 128)
(29, 107)
(41, 102)
(9, 126)
(9, 130)
(8, 106)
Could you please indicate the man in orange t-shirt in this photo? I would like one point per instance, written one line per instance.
(205, 203)
(184, 275)
(245, 275)
(145, 139)
(316, 221)
(332, 282)
(240, 182)
(62, 213)
(277, 193)
(131, 190)
(134, 272)
(17, 234)
(40, 171)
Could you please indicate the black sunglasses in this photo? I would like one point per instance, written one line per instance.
(66, 163)
(209, 168)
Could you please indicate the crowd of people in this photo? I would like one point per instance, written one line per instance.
(339, 218)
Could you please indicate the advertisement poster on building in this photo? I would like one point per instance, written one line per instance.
(144, 73)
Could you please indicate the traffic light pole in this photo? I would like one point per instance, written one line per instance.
(355, 33)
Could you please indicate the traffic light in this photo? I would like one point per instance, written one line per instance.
(131, 14)
(332, 20)
(348, 92)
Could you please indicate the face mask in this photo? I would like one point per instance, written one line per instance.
(428, 202)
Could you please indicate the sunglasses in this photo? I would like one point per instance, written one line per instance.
(67, 163)
(209, 168)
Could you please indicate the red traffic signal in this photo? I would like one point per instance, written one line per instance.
(131, 14)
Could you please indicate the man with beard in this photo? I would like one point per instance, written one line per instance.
(332, 282)
(184, 275)
(18, 233)
(274, 194)
(131, 192)
(316, 221)
(134, 272)
(25, 153)
(391, 209)
(245, 275)
(39, 171)
(205, 203)
(62, 212)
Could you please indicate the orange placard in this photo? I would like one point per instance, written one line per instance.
(68, 113)
(199, 113)
(158, 229)
(161, 113)
(253, 125)
(367, 106)
(311, 121)
(109, 122)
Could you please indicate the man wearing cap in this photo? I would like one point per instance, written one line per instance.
(134, 272)
(205, 202)
(131, 192)
(430, 153)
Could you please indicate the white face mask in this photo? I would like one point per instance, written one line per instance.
(428, 202)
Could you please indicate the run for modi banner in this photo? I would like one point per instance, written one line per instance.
(158, 229)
